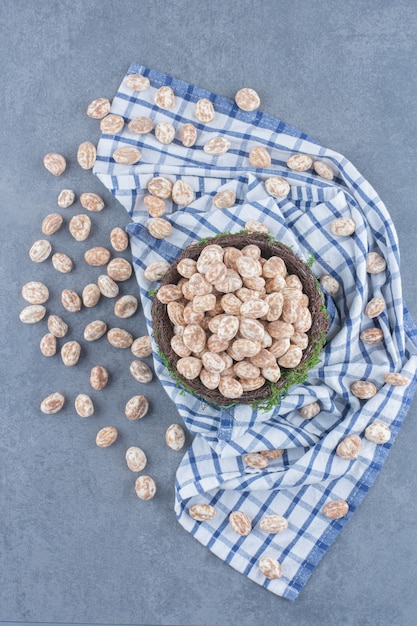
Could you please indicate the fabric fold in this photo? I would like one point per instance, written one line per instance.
(308, 474)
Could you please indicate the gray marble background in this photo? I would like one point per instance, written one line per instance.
(76, 544)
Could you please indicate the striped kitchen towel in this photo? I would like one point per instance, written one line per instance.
(309, 473)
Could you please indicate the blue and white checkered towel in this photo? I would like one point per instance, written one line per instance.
(309, 473)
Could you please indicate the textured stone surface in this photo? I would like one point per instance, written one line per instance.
(76, 543)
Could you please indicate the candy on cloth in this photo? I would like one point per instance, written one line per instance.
(299, 483)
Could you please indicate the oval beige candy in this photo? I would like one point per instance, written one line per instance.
(363, 389)
(176, 313)
(228, 327)
(126, 306)
(245, 369)
(97, 256)
(204, 111)
(323, 170)
(127, 155)
(336, 509)
(231, 304)
(280, 346)
(71, 301)
(224, 199)
(253, 226)
(53, 403)
(55, 163)
(310, 410)
(375, 307)
(84, 405)
(329, 284)
(35, 292)
(179, 347)
(247, 99)
(160, 187)
(252, 329)
(209, 379)
(169, 293)
(86, 155)
(202, 512)
(119, 239)
(98, 108)
(111, 124)
(378, 433)
(62, 263)
(231, 388)
(145, 487)
(135, 459)
(120, 338)
(300, 340)
(156, 206)
(375, 263)
(141, 125)
(108, 287)
(217, 146)
(142, 346)
(240, 523)
(213, 363)
(57, 326)
(92, 202)
(204, 303)
(342, 227)
(248, 267)
(32, 314)
(300, 162)
(255, 460)
(95, 330)
(187, 267)
(273, 524)
(156, 271)
(51, 223)
(175, 437)
(119, 269)
(80, 226)
(48, 345)
(137, 82)
(194, 337)
(136, 408)
(277, 187)
(260, 157)
(70, 353)
(275, 453)
(254, 309)
(270, 567)
(272, 373)
(165, 98)
(99, 377)
(182, 193)
(188, 135)
(66, 198)
(189, 367)
(396, 379)
(40, 251)
(264, 359)
(141, 372)
(291, 358)
(165, 133)
(90, 295)
(160, 228)
(274, 266)
(349, 447)
(106, 436)
(371, 336)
